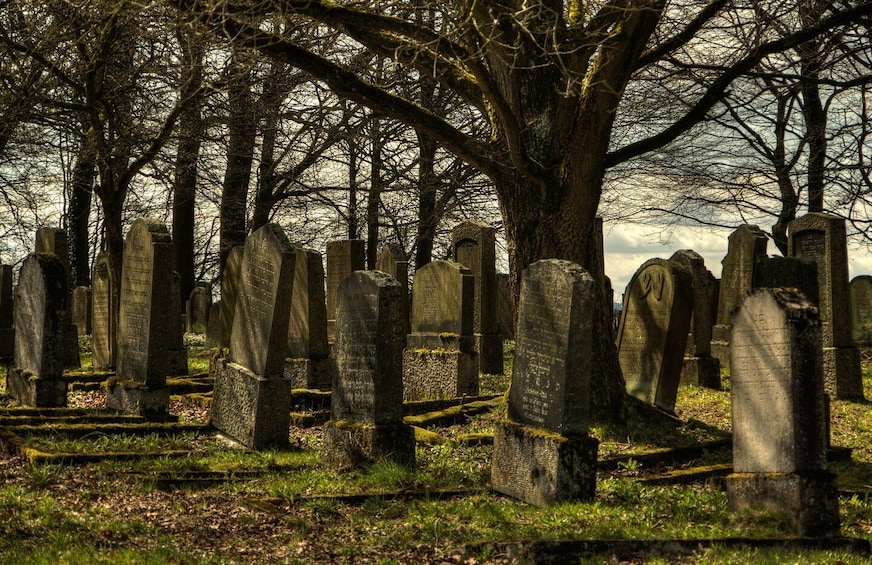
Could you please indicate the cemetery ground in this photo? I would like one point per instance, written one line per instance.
(98, 492)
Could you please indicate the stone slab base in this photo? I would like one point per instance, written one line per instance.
(352, 444)
(810, 499)
(251, 409)
(438, 375)
(310, 373)
(30, 390)
(7, 342)
(541, 467)
(720, 344)
(702, 371)
(490, 353)
(842, 377)
(131, 397)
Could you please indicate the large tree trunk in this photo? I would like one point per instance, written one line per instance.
(80, 212)
(270, 105)
(374, 199)
(427, 187)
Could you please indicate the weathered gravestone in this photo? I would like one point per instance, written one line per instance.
(251, 399)
(308, 364)
(746, 248)
(147, 318)
(103, 331)
(821, 238)
(699, 367)
(652, 335)
(861, 309)
(779, 414)
(505, 321)
(542, 453)
(198, 308)
(82, 309)
(41, 315)
(393, 261)
(788, 272)
(230, 277)
(7, 329)
(213, 330)
(473, 245)
(440, 359)
(343, 258)
(367, 403)
(54, 241)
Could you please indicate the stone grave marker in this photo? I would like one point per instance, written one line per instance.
(103, 331)
(550, 390)
(82, 309)
(652, 335)
(41, 312)
(198, 308)
(367, 404)
(699, 367)
(779, 413)
(473, 244)
(7, 329)
(440, 360)
(54, 241)
(147, 319)
(343, 258)
(308, 364)
(251, 399)
(393, 261)
(861, 309)
(821, 238)
(230, 278)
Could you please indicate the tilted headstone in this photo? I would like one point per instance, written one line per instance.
(550, 390)
(82, 310)
(746, 248)
(7, 330)
(230, 278)
(440, 359)
(251, 399)
(54, 241)
(652, 336)
(473, 244)
(103, 319)
(147, 319)
(779, 413)
(199, 308)
(367, 402)
(505, 321)
(821, 238)
(699, 367)
(41, 312)
(393, 261)
(308, 364)
(343, 258)
(861, 309)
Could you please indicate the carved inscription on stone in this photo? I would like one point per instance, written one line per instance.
(136, 295)
(811, 245)
(103, 338)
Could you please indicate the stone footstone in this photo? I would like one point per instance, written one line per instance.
(310, 373)
(434, 375)
(356, 444)
(701, 371)
(30, 390)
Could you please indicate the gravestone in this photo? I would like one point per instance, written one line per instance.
(821, 238)
(41, 314)
(473, 245)
(505, 322)
(652, 335)
(367, 403)
(788, 272)
(230, 278)
(251, 399)
(779, 413)
(542, 452)
(213, 330)
(699, 367)
(746, 248)
(308, 364)
(861, 309)
(393, 261)
(7, 328)
(82, 310)
(198, 308)
(54, 241)
(147, 319)
(440, 359)
(103, 331)
(178, 353)
(343, 258)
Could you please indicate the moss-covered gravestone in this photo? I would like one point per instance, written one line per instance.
(367, 404)
(779, 414)
(53, 241)
(308, 364)
(542, 453)
(251, 400)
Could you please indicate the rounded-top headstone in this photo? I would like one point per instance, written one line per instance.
(40, 301)
(442, 299)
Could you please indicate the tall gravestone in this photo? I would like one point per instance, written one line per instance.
(230, 277)
(41, 314)
(788, 272)
(542, 452)
(308, 364)
(699, 367)
(343, 258)
(652, 335)
(440, 359)
(393, 261)
(103, 318)
(251, 399)
(473, 244)
(147, 318)
(861, 309)
(746, 248)
(367, 403)
(82, 310)
(7, 328)
(198, 308)
(821, 238)
(54, 241)
(779, 414)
